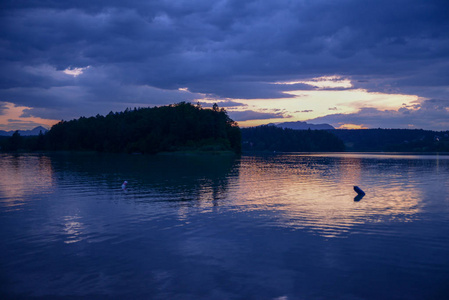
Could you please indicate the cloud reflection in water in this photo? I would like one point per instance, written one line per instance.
(23, 175)
(316, 192)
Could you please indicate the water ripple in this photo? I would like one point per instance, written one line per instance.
(254, 227)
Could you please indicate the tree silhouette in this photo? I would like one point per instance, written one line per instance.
(176, 127)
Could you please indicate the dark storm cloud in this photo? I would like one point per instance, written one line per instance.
(88, 94)
(431, 114)
(247, 89)
(144, 51)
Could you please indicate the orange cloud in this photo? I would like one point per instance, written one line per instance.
(13, 118)
(352, 126)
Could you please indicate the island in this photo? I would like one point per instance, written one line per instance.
(181, 127)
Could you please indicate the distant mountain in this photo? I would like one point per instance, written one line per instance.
(304, 126)
(34, 131)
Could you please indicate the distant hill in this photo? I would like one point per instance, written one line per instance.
(304, 126)
(274, 138)
(34, 131)
(394, 140)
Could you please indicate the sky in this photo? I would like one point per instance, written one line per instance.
(348, 63)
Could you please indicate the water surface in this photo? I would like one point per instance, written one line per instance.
(215, 227)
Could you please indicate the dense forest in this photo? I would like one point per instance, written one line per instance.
(394, 140)
(272, 138)
(25, 143)
(177, 127)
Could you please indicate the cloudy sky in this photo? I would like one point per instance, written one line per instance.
(349, 63)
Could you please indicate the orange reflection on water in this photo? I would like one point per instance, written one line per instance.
(317, 193)
(23, 175)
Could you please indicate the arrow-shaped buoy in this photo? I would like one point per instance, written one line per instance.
(358, 190)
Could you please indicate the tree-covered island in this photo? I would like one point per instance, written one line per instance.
(176, 127)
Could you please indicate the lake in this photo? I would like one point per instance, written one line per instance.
(284, 226)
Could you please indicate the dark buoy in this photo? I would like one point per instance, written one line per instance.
(359, 197)
(360, 193)
(358, 190)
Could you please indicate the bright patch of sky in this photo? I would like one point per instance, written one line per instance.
(75, 72)
(13, 118)
(311, 104)
(324, 82)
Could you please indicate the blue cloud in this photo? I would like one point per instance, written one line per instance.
(254, 115)
(144, 51)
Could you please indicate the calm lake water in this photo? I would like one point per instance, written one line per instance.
(256, 227)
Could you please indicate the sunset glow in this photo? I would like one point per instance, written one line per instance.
(13, 119)
(372, 75)
(307, 105)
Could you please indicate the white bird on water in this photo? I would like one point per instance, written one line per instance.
(124, 185)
